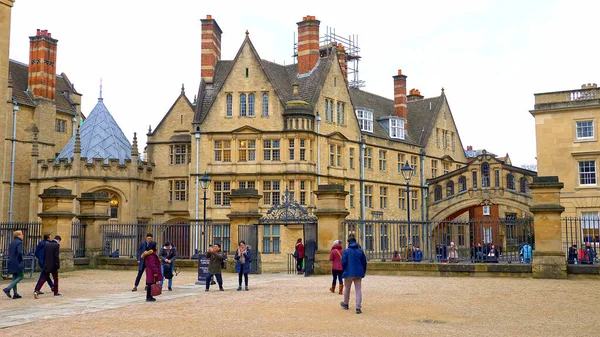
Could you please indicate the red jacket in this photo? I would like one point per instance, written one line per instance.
(336, 257)
(152, 263)
(300, 249)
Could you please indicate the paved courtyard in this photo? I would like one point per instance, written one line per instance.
(100, 303)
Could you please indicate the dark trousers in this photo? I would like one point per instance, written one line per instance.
(219, 280)
(46, 276)
(139, 276)
(245, 279)
(39, 284)
(148, 290)
(337, 274)
(299, 263)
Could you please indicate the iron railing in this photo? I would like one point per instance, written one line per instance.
(490, 241)
(32, 234)
(188, 238)
(581, 239)
(78, 239)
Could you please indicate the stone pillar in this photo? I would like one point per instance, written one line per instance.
(94, 212)
(549, 259)
(57, 219)
(244, 211)
(331, 212)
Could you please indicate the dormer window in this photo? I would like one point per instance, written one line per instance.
(397, 128)
(365, 120)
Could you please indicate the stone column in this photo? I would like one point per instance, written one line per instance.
(549, 257)
(244, 211)
(57, 219)
(331, 212)
(94, 212)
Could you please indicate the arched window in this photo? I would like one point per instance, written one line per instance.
(229, 105)
(462, 184)
(438, 193)
(251, 105)
(449, 189)
(243, 105)
(524, 185)
(114, 207)
(265, 105)
(510, 182)
(485, 175)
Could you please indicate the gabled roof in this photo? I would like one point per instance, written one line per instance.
(181, 96)
(421, 119)
(101, 137)
(19, 72)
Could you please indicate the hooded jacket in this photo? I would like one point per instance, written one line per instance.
(335, 256)
(354, 261)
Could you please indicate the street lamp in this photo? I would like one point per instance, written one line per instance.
(407, 172)
(204, 183)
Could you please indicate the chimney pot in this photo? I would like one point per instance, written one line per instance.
(208, 17)
(469, 148)
(399, 71)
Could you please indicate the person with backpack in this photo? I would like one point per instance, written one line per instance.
(526, 252)
(140, 261)
(243, 257)
(39, 255)
(354, 265)
(335, 256)
(299, 255)
(587, 255)
(167, 255)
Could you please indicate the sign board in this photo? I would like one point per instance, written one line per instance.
(203, 273)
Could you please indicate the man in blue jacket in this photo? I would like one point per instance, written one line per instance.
(354, 264)
(39, 255)
(141, 266)
(16, 265)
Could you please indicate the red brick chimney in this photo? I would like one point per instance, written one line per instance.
(400, 95)
(343, 60)
(308, 44)
(41, 80)
(414, 95)
(211, 48)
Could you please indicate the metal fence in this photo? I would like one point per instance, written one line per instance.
(489, 241)
(32, 234)
(188, 238)
(78, 239)
(581, 239)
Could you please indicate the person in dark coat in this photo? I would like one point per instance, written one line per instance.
(214, 266)
(16, 265)
(167, 255)
(335, 256)
(299, 255)
(572, 259)
(354, 263)
(40, 256)
(51, 265)
(153, 271)
(243, 257)
(141, 265)
(440, 252)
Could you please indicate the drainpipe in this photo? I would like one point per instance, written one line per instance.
(318, 151)
(12, 161)
(424, 191)
(197, 134)
(363, 147)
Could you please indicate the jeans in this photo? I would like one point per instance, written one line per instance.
(17, 277)
(162, 270)
(358, 284)
(139, 276)
(50, 283)
(528, 261)
(219, 280)
(46, 276)
(337, 274)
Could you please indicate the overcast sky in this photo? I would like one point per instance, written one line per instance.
(490, 56)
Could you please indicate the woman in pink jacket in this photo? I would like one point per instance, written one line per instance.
(336, 266)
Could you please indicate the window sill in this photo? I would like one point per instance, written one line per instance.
(585, 140)
(587, 187)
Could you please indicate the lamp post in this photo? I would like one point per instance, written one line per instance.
(204, 183)
(407, 172)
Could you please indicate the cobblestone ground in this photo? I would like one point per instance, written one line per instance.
(100, 303)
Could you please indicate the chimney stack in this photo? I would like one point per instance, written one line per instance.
(211, 48)
(343, 60)
(415, 95)
(41, 80)
(308, 44)
(400, 109)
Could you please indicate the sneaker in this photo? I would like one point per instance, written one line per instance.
(358, 311)
(206, 289)
(247, 288)
(170, 289)
(239, 288)
(151, 299)
(221, 289)
(58, 295)
(7, 292)
(40, 293)
(344, 305)
(16, 296)
(134, 289)
(36, 295)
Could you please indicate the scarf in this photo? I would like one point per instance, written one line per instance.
(241, 255)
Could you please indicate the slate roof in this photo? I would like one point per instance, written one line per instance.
(101, 137)
(18, 73)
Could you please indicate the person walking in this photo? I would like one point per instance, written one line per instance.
(153, 270)
(335, 256)
(141, 265)
(354, 264)
(243, 257)
(51, 266)
(214, 266)
(16, 265)
(299, 255)
(168, 254)
(40, 256)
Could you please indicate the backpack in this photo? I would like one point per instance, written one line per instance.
(168, 272)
